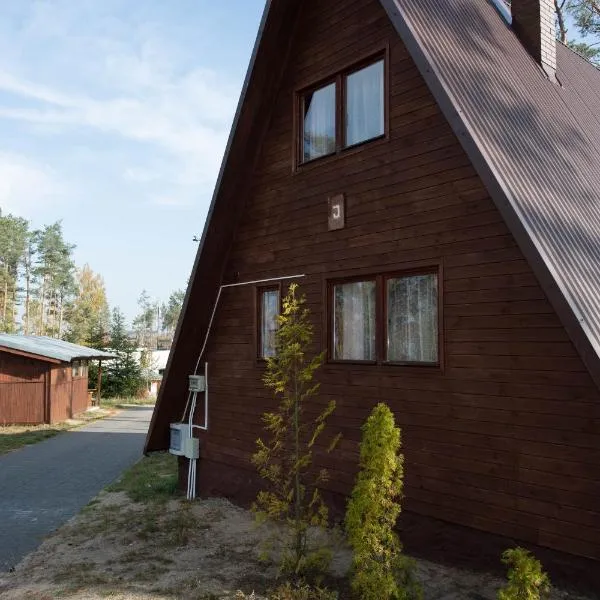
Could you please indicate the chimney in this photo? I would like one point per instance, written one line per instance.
(534, 23)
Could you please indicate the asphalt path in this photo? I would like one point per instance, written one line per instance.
(44, 485)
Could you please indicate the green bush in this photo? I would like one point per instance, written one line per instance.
(526, 578)
(379, 570)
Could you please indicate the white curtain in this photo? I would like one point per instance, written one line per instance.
(319, 122)
(412, 319)
(365, 104)
(354, 321)
(269, 313)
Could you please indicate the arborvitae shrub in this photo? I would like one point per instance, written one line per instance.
(379, 570)
(526, 578)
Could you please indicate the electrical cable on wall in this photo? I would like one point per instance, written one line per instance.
(193, 395)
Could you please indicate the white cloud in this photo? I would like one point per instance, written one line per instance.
(27, 187)
(188, 119)
(125, 85)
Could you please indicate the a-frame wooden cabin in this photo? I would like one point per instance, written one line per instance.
(432, 171)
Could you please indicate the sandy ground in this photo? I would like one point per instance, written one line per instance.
(203, 550)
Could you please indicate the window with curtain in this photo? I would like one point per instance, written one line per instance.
(412, 319)
(364, 100)
(319, 122)
(354, 321)
(269, 311)
(386, 319)
(346, 112)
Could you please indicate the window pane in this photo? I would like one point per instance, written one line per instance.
(319, 122)
(364, 104)
(412, 319)
(354, 321)
(269, 312)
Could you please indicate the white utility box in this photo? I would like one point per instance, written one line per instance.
(192, 448)
(181, 444)
(197, 383)
(180, 432)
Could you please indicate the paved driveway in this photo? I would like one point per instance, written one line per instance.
(43, 485)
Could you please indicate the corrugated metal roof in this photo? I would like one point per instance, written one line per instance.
(50, 347)
(538, 142)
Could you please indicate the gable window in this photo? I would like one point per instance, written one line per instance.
(386, 319)
(347, 111)
(318, 117)
(364, 104)
(268, 311)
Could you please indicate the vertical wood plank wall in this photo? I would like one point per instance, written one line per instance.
(79, 395)
(61, 390)
(505, 438)
(22, 389)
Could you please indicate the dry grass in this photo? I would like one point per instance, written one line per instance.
(128, 401)
(161, 547)
(13, 437)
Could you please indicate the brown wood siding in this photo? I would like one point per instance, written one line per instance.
(22, 387)
(61, 391)
(505, 436)
(79, 395)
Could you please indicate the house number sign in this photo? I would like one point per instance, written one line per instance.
(337, 212)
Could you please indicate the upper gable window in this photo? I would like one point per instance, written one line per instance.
(318, 115)
(347, 111)
(364, 104)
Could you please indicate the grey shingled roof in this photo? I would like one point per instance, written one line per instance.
(50, 347)
(535, 144)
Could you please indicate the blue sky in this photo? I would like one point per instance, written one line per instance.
(114, 115)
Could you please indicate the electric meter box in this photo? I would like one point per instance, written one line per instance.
(180, 432)
(181, 444)
(197, 383)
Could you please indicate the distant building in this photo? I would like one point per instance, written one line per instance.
(159, 362)
(42, 379)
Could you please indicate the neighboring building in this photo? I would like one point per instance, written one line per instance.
(432, 174)
(42, 379)
(159, 365)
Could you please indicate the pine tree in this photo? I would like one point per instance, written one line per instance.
(53, 273)
(172, 309)
(123, 376)
(13, 244)
(585, 14)
(285, 461)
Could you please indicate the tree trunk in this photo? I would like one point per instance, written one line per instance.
(27, 280)
(60, 317)
(562, 28)
(42, 294)
(297, 500)
(13, 309)
(5, 301)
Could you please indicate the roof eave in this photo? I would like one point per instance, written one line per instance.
(31, 355)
